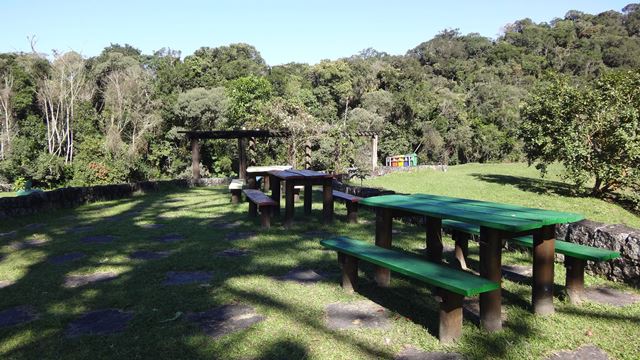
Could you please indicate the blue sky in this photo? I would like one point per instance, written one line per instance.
(283, 31)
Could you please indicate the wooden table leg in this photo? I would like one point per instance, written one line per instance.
(275, 193)
(252, 183)
(543, 257)
(307, 198)
(384, 222)
(265, 182)
(289, 203)
(491, 269)
(574, 284)
(327, 201)
(450, 328)
(434, 239)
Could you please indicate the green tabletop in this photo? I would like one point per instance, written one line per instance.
(505, 217)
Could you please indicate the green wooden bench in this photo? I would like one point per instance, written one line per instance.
(454, 284)
(352, 204)
(259, 200)
(576, 255)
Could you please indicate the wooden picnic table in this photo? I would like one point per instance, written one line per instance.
(255, 171)
(497, 222)
(307, 178)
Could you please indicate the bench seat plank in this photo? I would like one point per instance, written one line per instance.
(259, 198)
(442, 276)
(577, 251)
(346, 197)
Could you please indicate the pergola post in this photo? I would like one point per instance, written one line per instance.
(195, 159)
(242, 154)
(252, 151)
(374, 152)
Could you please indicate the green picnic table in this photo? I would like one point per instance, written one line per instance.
(497, 222)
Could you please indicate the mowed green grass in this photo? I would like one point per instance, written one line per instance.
(516, 184)
(295, 320)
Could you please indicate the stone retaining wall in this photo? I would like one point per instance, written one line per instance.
(616, 237)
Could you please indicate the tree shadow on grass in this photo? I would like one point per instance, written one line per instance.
(537, 186)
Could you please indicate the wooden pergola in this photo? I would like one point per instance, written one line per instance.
(250, 136)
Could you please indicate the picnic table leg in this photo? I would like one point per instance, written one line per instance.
(275, 193)
(450, 328)
(574, 284)
(462, 248)
(308, 197)
(265, 182)
(434, 239)
(289, 204)
(327, 200)
(265, 217)
(490, 268)
(543, 257)
(384, 220)
(349, 273)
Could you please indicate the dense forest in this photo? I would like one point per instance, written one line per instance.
(71, 120)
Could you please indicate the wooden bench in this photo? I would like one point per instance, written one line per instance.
(235, 188)
(575, 255)
(258, 200)
(453, 284)
(352, 204)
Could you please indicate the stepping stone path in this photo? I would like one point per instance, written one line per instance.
(6, 283)
(246, 235)
(610, 296)
(225, 319)
(187, 277)
(65, 258)
(301, 276)
(79, 229)
(169, 238)
(415, 354)
(234, 252)
(17, 315)
(74, 281)
(361, 314)
(151, 226)
(99, 239)
(149, 255)
(99, 322)
(590, 352)
(471, 308)
(518, 273)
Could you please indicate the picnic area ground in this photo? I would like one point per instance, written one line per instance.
(183, 274)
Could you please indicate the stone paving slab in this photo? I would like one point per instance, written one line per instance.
(187, 277)
(302, 276)
(26, 244)
(585, 352)
(17, 315)
(610, 296)
(169, 238)
(65, 258)
(99, 322)
(149, 255)
(151, 226)
(6, 283)
(225, 319)
(361, 314)
(81, 228)
(412, 353)
(74, 281)
(99, 239)
(244, 235)
(221, 224)
(234, 252)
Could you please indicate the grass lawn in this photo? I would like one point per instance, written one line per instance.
(507, 183)
(7, 194)
(294, 325)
